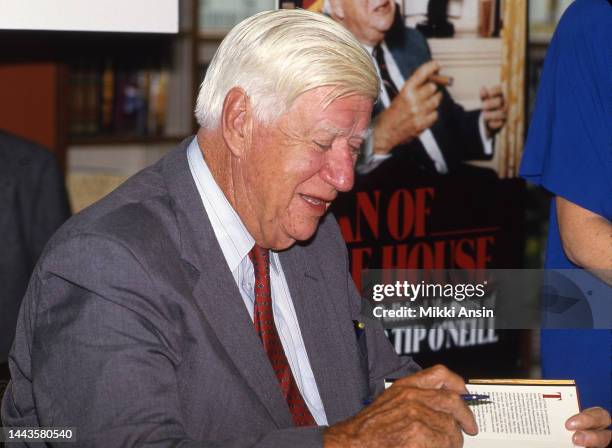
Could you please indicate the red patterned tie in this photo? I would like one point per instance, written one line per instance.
(266, 329)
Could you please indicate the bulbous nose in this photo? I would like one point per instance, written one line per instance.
(339, 167)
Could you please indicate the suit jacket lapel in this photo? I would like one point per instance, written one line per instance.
(407, 56)
(215, 290)
(232, 325)
(329, 339)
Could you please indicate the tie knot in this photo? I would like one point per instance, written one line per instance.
(259, 256)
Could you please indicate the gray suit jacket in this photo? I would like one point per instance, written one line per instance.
(134, 331)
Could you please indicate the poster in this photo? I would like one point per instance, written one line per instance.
(448, 197)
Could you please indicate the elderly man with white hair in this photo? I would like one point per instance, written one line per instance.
(207, 302)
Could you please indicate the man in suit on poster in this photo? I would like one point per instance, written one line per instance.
(179, 310)
(416, 121)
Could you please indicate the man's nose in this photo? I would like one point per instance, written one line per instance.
(339, 168)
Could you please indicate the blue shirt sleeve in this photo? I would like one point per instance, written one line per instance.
(569, 145)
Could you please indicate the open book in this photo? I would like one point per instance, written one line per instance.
(523, 413)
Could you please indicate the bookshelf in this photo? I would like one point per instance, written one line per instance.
(108, 102)
(67, 88)
(124, 90)
(183, 59)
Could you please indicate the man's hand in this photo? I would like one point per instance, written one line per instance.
(493, 109)
(422, 410)
(591, 427)
(412, 111)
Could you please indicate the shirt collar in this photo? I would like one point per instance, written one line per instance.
(234, 239)
(370, 49)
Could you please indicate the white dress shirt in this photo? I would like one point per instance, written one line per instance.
(371, 160)
(236, 243)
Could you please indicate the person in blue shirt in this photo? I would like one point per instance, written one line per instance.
(569, 153)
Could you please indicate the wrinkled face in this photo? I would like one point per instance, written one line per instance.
(368, 20)
(296, 165)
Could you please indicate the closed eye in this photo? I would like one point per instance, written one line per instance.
(323, 146)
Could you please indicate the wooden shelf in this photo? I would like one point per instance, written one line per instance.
(109, 140)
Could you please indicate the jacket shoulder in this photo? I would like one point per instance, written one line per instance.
(139, 215)
(407, 38)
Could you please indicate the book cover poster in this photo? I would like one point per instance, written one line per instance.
(447, 198)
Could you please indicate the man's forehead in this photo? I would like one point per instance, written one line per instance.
(319, 112)
(330, 97)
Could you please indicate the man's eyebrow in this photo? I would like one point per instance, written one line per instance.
(346, 132)
(363, 135)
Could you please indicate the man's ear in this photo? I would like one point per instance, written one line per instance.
(336, 9)
(236, 121)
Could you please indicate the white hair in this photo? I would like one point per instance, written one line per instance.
(275, 56)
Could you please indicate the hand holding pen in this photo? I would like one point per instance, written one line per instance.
(427, 404)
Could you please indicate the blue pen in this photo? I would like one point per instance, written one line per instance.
(474, 397)
(464, 397)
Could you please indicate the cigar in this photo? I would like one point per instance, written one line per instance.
(442, 80)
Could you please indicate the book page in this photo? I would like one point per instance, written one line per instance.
(523, 415)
